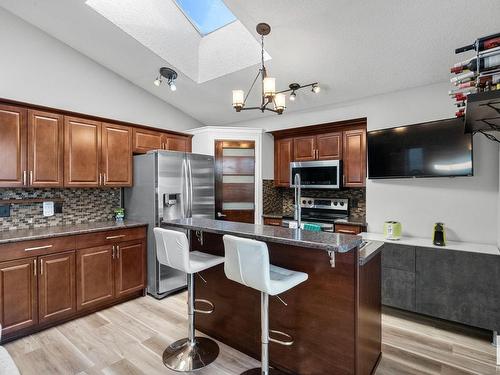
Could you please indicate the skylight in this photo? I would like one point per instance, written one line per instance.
(206, 15)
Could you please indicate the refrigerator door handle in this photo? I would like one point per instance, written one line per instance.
(190, 172)
(185, 189)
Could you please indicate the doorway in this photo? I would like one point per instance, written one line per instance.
(235, 181)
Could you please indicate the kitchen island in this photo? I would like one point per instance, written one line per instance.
(334, 317)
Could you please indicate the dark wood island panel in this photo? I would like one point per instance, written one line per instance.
(334, 317)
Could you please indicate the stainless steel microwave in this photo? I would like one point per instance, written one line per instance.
(321, 174)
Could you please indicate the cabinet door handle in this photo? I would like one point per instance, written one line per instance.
(41, 266)
(113, 237)
(38, 248)
(117, 251)
(113, 252)
(24, 178)
(31, 177)
(346, 231)
(34, 267)
(104, 178)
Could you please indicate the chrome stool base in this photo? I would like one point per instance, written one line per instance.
(258, 371)
(181, 356)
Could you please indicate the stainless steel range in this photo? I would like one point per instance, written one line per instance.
(322, 211)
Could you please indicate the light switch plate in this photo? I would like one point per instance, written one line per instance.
(48, 208)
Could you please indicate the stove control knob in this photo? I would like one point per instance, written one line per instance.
(303, 201)
(341, 203)
(309, 202)
(335, 203)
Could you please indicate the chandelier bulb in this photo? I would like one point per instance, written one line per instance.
(293, 96)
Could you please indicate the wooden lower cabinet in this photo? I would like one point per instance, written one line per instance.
(348, 229)
(130, 267)
(56, 286)
(48, 281)
(18, 299)
(94, 276)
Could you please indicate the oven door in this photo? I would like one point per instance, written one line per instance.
(322, 174)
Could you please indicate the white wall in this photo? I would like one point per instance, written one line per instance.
(38, 69)
(468, 206)
(204, 143)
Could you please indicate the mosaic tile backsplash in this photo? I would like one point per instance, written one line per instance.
(280, 200)
(79, 206)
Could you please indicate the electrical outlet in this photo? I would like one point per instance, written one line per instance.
(5, 210)
(58, 207)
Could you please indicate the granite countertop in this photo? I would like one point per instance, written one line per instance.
(63, 230)
(367, 252)
(351, 220)
(316, 240)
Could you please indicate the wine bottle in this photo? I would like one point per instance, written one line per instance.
(462, 77)
(481, 44)
(486, 63)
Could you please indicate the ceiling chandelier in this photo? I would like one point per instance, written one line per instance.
(269, 95)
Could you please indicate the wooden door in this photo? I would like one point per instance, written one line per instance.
(146, 140)
(129, 267)
(235, 181)
(45, 149)
(304, 148)
(176, 143)
(18, 295)
(354, 158)
(82, 151)
(94, 276)
(56, 287)
(329, 146)
(13, 139)
(116, 155)
(283, 156)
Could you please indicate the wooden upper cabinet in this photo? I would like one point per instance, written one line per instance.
(304, 148)
(355, 158)
(94, 276)
(45, 149)
(176, 143)
(56, 287)
(329, 146)
(130, 266)
(82, 151)
(18, 297)
(13, 139)
(283, 156)
(146, 140)
(116, 155)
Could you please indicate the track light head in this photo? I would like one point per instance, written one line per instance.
(316, 88)
(170, 75)
(293, 96)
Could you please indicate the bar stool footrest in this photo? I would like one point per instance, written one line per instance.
(211, 310)
(283, 334)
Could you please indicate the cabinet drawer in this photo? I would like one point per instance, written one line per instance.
(397, 256)
(272, 221)
(35, 248)
(109, 237)
(348, 229)
(398, 288)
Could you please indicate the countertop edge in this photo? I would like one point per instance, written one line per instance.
(312, 245)
(68, 232)
(469, 247)
(367, 253)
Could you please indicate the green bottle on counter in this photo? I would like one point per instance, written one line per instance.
(439, 237)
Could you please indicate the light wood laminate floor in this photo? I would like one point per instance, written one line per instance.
(130, 338)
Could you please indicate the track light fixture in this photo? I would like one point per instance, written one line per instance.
(269, 95)
(169, 74)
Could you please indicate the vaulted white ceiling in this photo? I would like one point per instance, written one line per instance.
(354, 48)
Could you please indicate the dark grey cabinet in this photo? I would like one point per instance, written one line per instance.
(398, 288)
(397, 256)
(459, 286)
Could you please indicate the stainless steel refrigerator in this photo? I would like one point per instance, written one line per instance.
(169, 185)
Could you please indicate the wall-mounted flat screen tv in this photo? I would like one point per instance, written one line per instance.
(431, 149)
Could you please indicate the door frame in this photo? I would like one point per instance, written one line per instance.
(203, 143)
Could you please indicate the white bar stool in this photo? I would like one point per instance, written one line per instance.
(247, 263)
(172, 249)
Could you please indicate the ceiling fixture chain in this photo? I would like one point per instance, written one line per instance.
(268, 85)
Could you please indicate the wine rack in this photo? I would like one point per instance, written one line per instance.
(477, 81)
